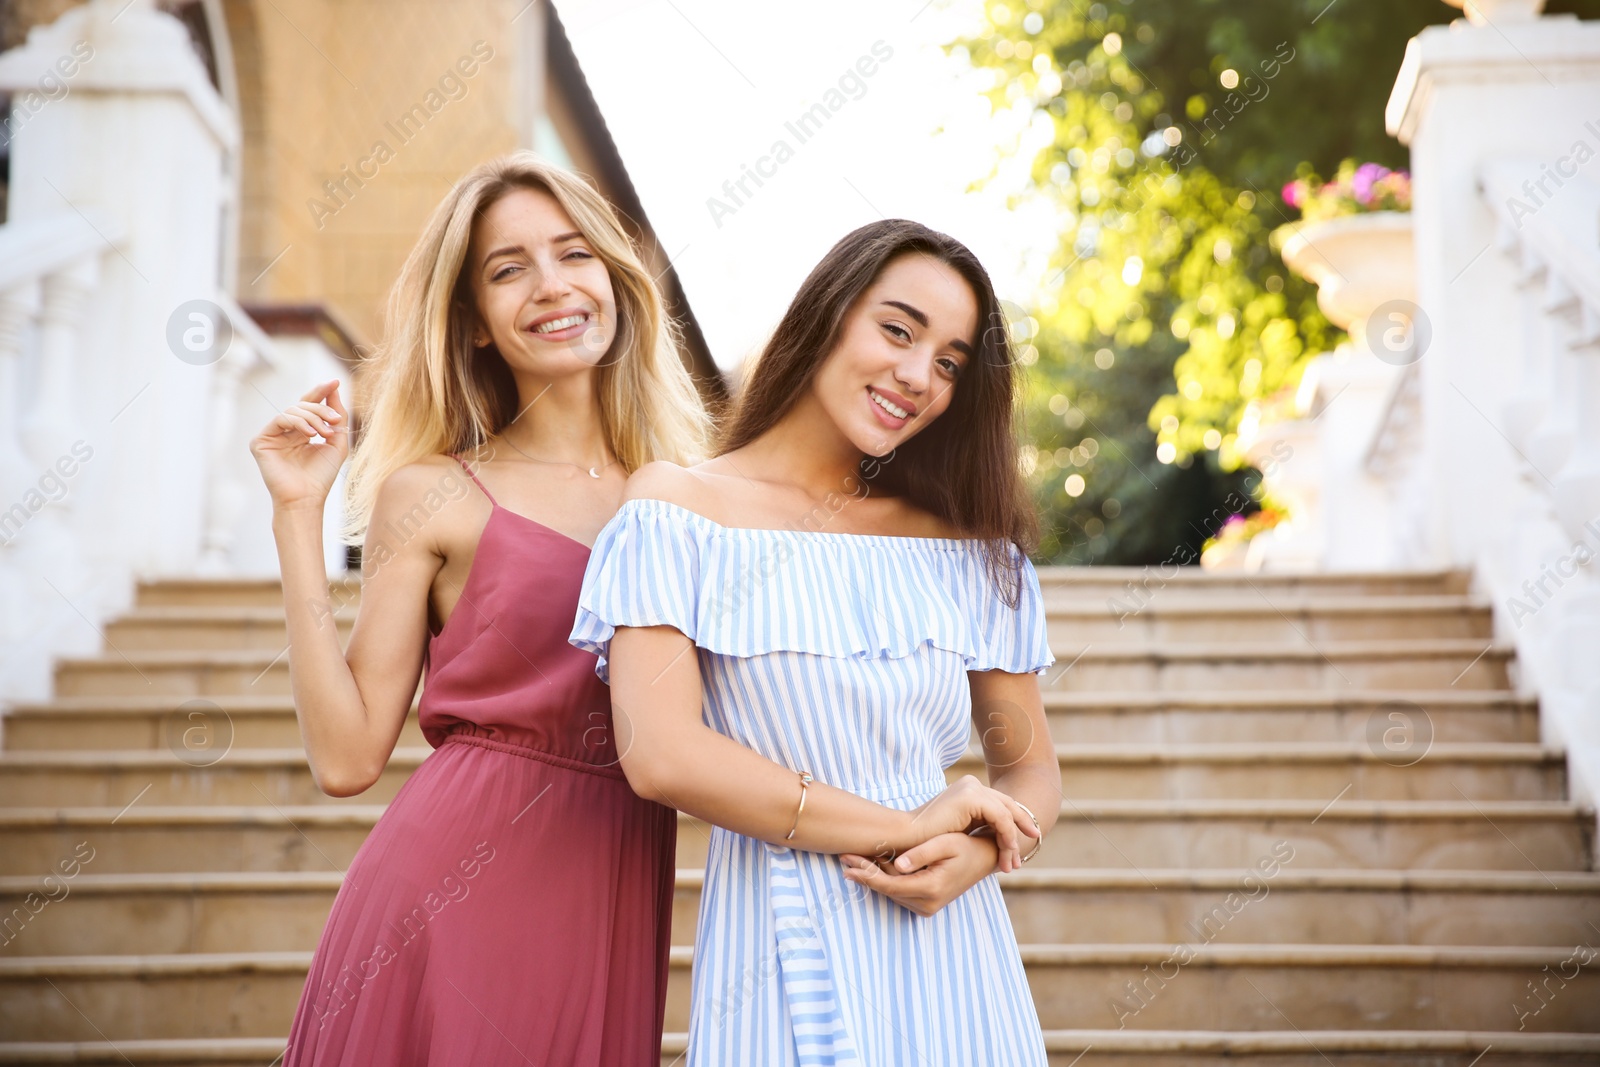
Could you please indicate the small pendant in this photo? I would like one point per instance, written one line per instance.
(593, 473)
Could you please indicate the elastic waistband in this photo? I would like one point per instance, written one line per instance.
(602, 771)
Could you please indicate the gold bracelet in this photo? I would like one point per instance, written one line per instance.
(805, 780)
(1038, 842)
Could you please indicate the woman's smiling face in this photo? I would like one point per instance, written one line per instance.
(544, 297)
(902, 347)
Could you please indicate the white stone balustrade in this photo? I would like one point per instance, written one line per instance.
(1500, 432)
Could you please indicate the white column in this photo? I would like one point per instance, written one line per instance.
(139, 138)
(1467, 95)
(17, 309)
(1503, 121)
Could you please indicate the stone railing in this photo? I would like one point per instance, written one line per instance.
(1459, 427)
(130, 380)
(50, 273)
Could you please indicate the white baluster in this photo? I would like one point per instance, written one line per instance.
(1577, 494)
(18, 306)
(224, 494)
(52, 423)
(52, 429)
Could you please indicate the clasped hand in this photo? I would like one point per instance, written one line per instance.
(950, 861)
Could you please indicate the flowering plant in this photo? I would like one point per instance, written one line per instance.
(1353, 190)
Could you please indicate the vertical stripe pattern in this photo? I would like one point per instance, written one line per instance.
(846, 655)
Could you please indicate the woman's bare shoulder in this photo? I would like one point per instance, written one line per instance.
(704, 488)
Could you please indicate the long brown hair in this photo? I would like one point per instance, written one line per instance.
(432, 392)
(963, 466)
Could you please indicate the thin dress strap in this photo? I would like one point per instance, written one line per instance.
(475, 481)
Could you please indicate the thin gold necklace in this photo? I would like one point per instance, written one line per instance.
(594, 472)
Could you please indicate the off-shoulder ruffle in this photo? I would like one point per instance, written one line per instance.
(743, 592)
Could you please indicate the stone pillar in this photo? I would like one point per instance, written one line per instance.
(1467, 95)
(114, 118)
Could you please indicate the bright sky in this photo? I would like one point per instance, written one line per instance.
(696, 91)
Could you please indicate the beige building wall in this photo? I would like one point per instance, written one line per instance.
(357, 118)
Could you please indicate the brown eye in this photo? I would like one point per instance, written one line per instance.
(898, 331)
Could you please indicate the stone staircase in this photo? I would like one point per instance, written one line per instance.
(1305, 820)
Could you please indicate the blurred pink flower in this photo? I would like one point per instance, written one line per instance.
(1365, 177)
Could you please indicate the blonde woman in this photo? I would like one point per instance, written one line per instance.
(513, 903)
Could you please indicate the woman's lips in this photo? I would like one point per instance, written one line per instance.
(884, 417)
(567, 333)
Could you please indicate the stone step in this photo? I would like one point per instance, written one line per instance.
(1363, 834)
(199, 627)
(1094, 584)
(1112, 1048)
(1304, 1048)
(1110, 716)
(1409, 770)
(143, 914)
(1245, 987)
(162, 722)
(1141, 986)
(1254, 619)
(1343, 665)
(203, 776)
(1258, 619)
(128, 1052)
(343, 594)
(1167, 585)
(1450, 715)
(143, 838)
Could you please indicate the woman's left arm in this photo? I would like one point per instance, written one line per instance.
(1008, 713)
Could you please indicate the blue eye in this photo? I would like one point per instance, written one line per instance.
(501, 272)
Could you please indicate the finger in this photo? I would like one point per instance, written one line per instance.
(923, 855)
(333, 401)
(292, 423)
(889, 885)
(312, 414)
(861, 863)
(1025, 821)
(320, 390)
(998, 815)
(864, 872)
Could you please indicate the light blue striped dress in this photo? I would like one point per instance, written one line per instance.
(845, 655)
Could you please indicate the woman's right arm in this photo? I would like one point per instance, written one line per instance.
(670, 756)
(351, 704)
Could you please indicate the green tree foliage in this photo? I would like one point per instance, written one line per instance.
(1175, 125)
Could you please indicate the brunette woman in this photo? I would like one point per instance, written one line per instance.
(800, 636)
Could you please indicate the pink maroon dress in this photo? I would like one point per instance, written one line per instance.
(513, 905)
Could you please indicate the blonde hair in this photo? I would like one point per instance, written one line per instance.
(430, 393)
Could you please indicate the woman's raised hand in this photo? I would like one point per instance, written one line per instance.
(967, 804)
(299, 473)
